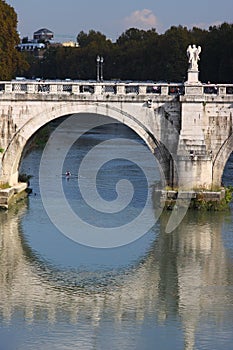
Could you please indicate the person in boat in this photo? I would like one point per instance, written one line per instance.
(68, 174)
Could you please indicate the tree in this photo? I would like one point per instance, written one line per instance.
(10, 58)
(93, 37)
(141, 55)
(136, 54)
(217, 57)
(173, 62)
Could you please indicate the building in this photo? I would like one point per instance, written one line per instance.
(30, 46)
(70, 44)
(43, 35)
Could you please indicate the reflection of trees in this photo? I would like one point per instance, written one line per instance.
(183, 275)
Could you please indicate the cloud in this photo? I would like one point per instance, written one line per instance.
(143, 19)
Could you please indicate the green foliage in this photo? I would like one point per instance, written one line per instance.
(223, 204)
(228, 195)
(217, 57)
(40, 138)
(10, 59)
(93, 38)
(140, 55)
(4, 186)
(202, 201)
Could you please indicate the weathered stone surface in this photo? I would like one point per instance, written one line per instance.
(11, 195)
(190, 134)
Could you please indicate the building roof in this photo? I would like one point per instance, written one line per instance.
(43, 31)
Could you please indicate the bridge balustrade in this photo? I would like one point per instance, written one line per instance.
(175, 90)
(211, 89)
(19, 87)
(154, 89)
(229, 90)
(67, 88)
(109, 89)
(104, 88)
(43, 88)
(132, 89)
(90, 89)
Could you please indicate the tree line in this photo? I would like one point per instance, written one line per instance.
(135, 55)
(10, 59)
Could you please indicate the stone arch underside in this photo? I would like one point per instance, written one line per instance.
(221, 160)
(12, 155)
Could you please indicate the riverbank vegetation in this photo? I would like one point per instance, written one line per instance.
(201, 203)
(4, 186)
(202, 200)
(40, 139)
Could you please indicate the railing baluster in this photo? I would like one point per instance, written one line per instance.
(113, 88)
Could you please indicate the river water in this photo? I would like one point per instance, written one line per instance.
(161, 291)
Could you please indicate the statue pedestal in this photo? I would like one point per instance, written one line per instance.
(193, 77)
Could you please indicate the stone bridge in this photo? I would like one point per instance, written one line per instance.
(187, 126)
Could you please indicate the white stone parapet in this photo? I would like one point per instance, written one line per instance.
(191, 87)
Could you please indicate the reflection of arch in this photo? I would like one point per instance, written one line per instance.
(12, 155)
(20, 267)
(221, 160)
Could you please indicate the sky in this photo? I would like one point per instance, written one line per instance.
(66, 18)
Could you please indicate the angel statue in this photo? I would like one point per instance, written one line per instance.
(193, 53)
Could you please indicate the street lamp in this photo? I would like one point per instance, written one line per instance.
(99, 67)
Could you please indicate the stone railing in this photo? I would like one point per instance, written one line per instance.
(110, 88)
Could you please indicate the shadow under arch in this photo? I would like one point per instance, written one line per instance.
(220, 161)
(13, 153)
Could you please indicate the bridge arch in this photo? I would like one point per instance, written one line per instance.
(221, 160)
(13, 153)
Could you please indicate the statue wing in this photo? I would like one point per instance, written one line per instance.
(189, 52)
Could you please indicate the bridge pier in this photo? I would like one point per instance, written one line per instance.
(195, 172)
(195, 149)
(14, 178)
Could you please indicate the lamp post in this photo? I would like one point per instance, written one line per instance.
(98, 68)
(101, 68)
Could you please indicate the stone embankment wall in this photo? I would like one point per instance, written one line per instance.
(11, 195)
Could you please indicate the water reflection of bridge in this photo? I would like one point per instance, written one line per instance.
(198, 261)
